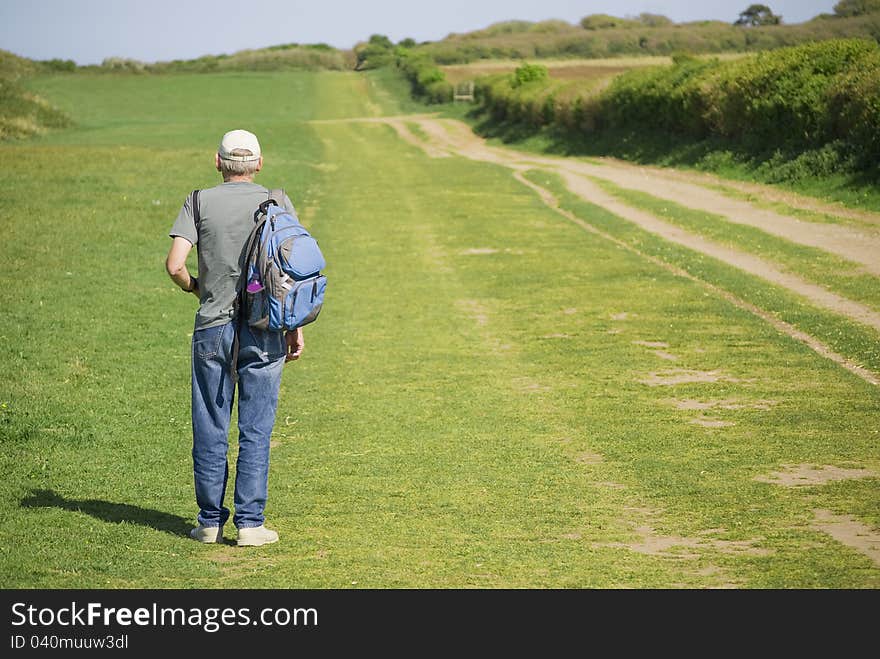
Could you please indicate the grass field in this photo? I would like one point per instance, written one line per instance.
(492, 397)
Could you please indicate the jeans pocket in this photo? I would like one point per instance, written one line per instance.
(269, 342)
(206, 342)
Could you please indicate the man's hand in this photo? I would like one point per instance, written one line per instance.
(295, 344)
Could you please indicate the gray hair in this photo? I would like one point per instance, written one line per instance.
(229, 168)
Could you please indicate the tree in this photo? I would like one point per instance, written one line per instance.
(758, 15)
(373, 54)
(655, 20)
(846, 8)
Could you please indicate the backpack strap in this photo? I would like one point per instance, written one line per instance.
(277, 195)
(197, 216)
(240, 304)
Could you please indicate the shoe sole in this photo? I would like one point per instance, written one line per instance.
(255, 543)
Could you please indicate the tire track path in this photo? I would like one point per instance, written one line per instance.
(450, 137)
(858, 246)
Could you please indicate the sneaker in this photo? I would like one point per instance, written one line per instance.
(207, 533)
(255, 536)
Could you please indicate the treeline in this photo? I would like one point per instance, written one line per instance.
(822, 98)
(308, 57)
(601, 36)
(293, 56)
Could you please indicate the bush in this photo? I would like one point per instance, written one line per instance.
(528, 73)
(58, 65)
(377, 52)
(853, 102)
(123, 64)
(856, 7)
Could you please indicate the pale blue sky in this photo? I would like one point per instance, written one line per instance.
(87, 31)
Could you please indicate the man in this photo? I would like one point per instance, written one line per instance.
(220, 229)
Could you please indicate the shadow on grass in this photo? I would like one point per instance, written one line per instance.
(109, 511)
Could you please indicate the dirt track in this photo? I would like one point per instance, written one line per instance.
(860, 245)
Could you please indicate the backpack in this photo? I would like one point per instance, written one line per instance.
(282, 286)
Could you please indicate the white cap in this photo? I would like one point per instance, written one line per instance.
(239, 139)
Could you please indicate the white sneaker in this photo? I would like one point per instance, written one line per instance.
(207, 533)
(255, 536)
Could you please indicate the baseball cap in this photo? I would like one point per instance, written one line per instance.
(239, 139)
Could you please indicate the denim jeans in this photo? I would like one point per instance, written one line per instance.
(260, 363)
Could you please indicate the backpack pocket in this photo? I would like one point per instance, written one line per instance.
(303, 302)
(258, 309)
(300, 256)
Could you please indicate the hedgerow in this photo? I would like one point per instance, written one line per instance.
(807, 97)
(427, 81)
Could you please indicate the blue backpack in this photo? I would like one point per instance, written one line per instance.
(283, 287)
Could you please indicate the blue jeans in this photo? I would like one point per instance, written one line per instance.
(260, 363)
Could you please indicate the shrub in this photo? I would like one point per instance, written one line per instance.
(58, 65)
(528, 73)
(856, 7)
(123, 64)
(377, 52)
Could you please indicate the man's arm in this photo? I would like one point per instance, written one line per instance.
(295, 344)
(175, 264)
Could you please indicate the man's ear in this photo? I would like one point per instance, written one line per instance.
(260, 163)
(217, 161)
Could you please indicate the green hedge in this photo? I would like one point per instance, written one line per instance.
(427, 81)
(803, 97)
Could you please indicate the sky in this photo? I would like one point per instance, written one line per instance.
(87, 31)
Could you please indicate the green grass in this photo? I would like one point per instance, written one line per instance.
(443, 426)
(815, 265)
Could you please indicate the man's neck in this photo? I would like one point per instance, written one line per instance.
(239, 179)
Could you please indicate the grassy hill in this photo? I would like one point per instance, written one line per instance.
(22, 112)
(284, 57)
(649, 36)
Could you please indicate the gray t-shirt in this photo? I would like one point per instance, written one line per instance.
(226, 218)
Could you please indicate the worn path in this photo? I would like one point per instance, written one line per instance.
(860, 245)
